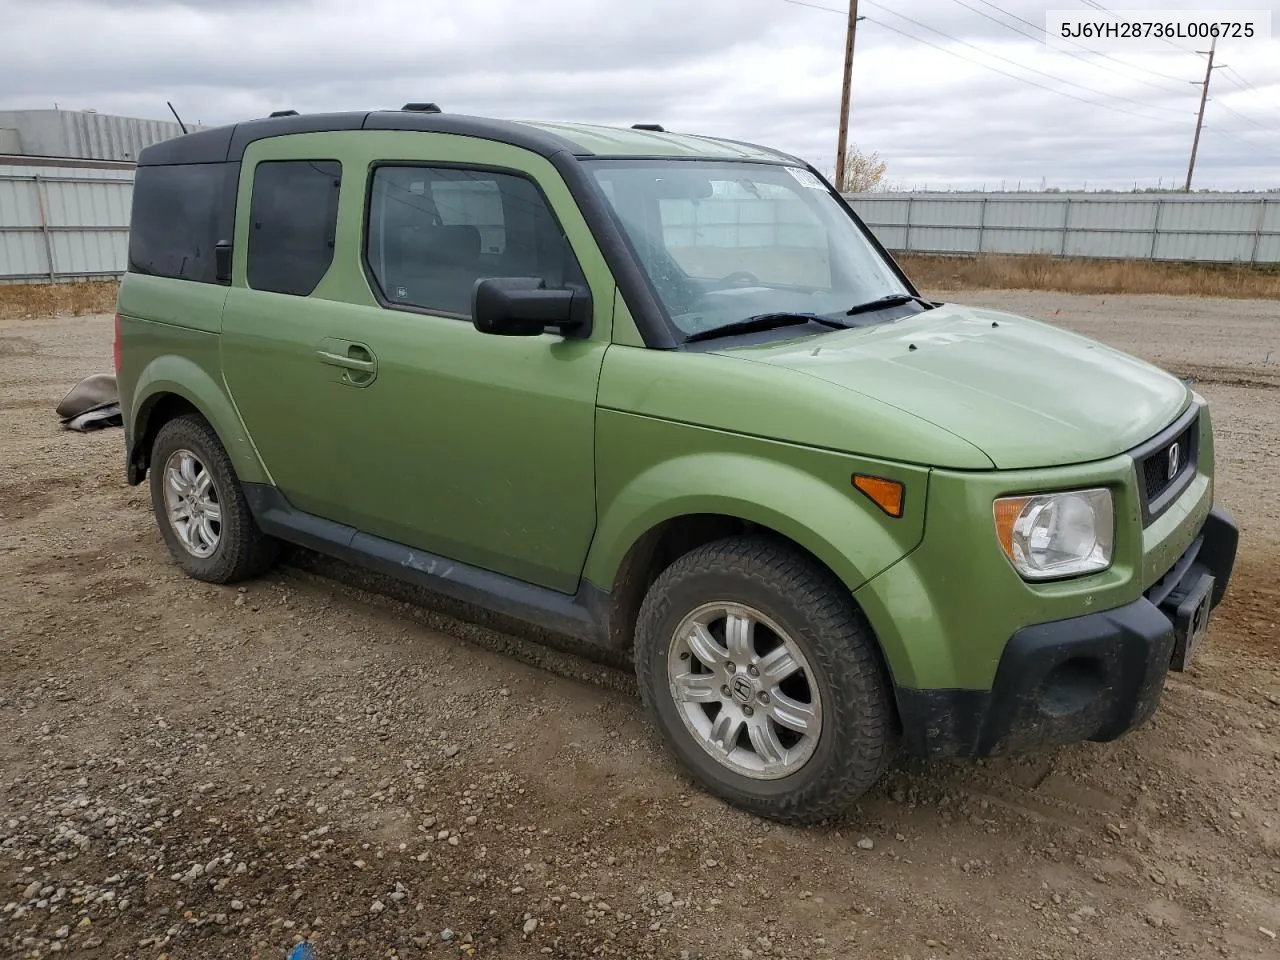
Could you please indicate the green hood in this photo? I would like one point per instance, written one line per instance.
(1026, 393)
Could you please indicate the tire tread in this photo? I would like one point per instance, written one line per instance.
(845, 650)
(244, 551)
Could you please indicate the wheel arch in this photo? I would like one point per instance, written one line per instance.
(664, 541)
(844, 671)
(157, 410)
(171, 387)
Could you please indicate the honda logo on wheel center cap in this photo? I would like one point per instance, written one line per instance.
(742, 689)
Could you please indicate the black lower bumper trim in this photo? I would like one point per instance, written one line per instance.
(1093, 677)
(1218, 550)
(1087, 678)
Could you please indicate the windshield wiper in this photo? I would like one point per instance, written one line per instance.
(892, 300)
(763, 321)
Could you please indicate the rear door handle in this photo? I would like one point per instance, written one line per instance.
(359, 365)
(351, 363)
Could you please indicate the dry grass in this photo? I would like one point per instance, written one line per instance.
(1043, 272)
(20, 301)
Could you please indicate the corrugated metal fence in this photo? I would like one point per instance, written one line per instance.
(63, 222)
(1210, 228)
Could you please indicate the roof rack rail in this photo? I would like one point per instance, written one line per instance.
(422, 108)
(654, 127)
(284, 113)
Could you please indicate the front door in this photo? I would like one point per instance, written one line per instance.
(415, 426)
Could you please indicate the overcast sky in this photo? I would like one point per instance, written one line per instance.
(761, 70)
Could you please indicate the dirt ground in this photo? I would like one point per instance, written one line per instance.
(196, 771)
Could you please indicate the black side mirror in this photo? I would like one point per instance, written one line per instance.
(526, 307)
(222, 261)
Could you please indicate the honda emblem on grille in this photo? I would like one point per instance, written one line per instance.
(1174, 457)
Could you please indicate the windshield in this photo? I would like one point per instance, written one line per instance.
(724, 241)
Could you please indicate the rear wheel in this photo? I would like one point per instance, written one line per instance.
(764, 678)
(200, 508)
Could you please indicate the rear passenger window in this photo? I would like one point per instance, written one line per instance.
(434, 231)
(180, 211)
(293, 218)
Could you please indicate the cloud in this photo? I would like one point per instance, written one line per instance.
(767, 71)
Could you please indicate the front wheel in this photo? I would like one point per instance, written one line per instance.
(764, 679)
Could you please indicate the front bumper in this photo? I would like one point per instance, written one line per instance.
(1092, 677)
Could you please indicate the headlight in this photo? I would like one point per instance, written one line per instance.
(1057, 534)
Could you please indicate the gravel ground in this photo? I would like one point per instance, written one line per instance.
(199, 771)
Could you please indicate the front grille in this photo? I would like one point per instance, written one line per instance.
(1167, 463)
(1155, 468)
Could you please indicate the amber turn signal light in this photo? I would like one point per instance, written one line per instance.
(888, 495)
(1007, 511)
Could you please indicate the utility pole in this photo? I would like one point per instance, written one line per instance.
(1204, 98)
(843, 145)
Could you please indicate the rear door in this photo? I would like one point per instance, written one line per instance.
(276, 315)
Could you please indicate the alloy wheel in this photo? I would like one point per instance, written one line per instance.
(745, 690)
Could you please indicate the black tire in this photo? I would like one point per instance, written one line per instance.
(810, 604)
(242, 550)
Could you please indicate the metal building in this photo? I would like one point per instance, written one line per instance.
(79, 134)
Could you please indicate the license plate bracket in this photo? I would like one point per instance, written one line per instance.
(1191, 620)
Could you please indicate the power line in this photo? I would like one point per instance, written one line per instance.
(1231, 136)
(814, 6)
(1237, 81)
(1021, 66)
(1252, 147)
(1011, 76)
(1024, 80)
(1240, 79)
(1240, 83)
(1092, 62)
(1248, 120)
(1013, 16)
(1115, 16)
(978, 63)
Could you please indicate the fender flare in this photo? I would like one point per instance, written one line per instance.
(837, 526)
(172, 375)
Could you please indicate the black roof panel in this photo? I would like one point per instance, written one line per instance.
(203, 146)
(229, 142)
(254, 130)
(541, 142)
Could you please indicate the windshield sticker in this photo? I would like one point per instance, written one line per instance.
(805, 178)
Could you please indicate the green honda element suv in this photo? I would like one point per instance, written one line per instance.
(667, 395)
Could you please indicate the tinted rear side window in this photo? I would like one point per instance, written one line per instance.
(293, 217)
(179, 212)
